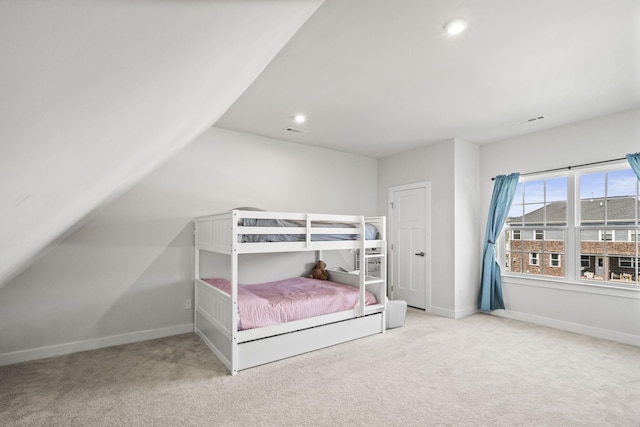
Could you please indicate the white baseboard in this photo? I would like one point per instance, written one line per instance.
(578, 328)
(92, 344)
(443, 312)
(452, 314)
(466, 312)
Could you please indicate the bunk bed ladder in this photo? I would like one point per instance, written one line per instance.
(363, 270)
(364, 257)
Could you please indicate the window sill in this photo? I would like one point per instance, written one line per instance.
(609, 289)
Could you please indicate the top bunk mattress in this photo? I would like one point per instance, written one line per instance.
(245, 232)
(371, 232)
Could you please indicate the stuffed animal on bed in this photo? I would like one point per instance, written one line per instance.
(319, 272)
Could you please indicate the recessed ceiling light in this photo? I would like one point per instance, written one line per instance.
(299, 118)
(455, 26)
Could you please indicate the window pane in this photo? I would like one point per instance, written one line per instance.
(541, 202)
(556, 189)
(515, 262)
(526, 234)
(515, 215)
(621, 257)
(554, 235)
(592, 212)
(592, 192)
(608, 198)
(621, 197)
(538, 252)
(534, 214)
(621, 183)
(534, 192)
(591, 235)
(622, 236)
(621, 210)
(591, 255)
(518, 196)
(517, 206)
(556, 213)
(592, 186)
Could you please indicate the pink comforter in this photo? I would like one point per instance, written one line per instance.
(272, 303)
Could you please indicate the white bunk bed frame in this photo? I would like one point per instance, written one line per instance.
(215, 311)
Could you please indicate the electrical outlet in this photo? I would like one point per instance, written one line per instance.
(187, 304)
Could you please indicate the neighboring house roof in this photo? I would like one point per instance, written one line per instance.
(620, 209)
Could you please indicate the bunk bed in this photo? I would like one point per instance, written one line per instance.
(219, 301)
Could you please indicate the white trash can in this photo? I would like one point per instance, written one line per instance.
(396, 313)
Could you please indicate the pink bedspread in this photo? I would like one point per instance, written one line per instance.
(272, 303)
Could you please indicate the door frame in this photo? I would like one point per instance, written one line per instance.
(426, 186)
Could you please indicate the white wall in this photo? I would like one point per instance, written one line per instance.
(467, 235)
(452, 169)
(124, 275)
(95, 94)
(433, 163)
(580, 308)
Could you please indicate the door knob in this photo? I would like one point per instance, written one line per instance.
(420, 254)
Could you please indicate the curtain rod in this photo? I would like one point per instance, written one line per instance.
(570, 167)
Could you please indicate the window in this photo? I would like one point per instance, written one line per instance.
(533, 259)
(585, 261)
(538, 215)
(605, 235)
(627, 262)
(589, 216)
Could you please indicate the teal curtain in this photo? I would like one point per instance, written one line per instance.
(634, 161)
(504, 189)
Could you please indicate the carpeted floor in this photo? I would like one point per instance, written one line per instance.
(478, 371)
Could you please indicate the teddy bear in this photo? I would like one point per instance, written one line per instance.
(319, 272)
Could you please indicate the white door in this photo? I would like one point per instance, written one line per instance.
(410, 250)
(600, 266)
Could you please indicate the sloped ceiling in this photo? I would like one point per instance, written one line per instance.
(95, 94)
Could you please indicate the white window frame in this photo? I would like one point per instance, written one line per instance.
(588, 257)
(633, 261)
(558, 260)
(573, 268)
(606, 235)
(534, 258)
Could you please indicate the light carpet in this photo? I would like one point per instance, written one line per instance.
(478, 371)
